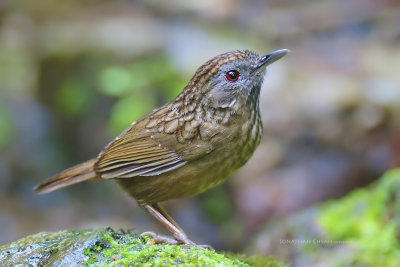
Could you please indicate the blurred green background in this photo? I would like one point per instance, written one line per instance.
(74, 74)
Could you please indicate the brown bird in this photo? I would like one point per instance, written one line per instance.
(187, 146)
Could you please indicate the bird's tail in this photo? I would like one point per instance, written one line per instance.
(79, 173)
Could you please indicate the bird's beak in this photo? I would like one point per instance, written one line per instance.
(271, 57)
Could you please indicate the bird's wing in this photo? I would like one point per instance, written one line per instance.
(153, 145)
(136, 153)
(136, 157)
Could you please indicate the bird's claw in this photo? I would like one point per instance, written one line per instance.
(161, 239)
(178, 240)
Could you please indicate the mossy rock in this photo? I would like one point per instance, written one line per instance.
(360, 229)
(105, 247)
(367, 221)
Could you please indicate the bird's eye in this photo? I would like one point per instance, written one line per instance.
(232, 75)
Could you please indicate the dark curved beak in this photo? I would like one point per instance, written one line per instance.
(272, 57)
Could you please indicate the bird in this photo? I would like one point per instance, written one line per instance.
(188, 145)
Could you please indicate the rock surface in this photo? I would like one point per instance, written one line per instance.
(105, 247)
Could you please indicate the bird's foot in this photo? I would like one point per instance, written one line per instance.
(160, 239)
(178, 240)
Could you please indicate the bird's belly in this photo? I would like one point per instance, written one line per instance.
(198, 175)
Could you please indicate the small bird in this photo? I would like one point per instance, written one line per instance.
(187, 146)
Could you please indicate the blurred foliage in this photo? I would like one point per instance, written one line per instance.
(368, 220)
(73, 99)
(217, 205)
(6, 126)
(137, 87)
(218, 208)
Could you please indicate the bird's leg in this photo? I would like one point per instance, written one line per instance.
(167, 216)
(162, 216)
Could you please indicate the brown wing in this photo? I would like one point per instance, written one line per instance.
(136, 153)
(159, 142)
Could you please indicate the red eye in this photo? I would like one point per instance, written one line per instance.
(232, 75)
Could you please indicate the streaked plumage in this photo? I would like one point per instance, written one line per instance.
(188, 145)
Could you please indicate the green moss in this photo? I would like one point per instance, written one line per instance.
(367, 221)
(104, 247)
(255, 260)
(133, 250)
